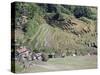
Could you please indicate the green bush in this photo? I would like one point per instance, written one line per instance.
(69, 8)
(93, 17)
(44, 56)
(66, 11)
(84, 19)
(82, 12)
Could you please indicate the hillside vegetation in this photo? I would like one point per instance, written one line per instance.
(56, 28)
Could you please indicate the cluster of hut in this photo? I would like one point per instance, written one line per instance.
(26, 56)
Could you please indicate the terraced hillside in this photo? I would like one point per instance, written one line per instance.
(56, 28)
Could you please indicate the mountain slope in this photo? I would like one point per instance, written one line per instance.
(56, 28)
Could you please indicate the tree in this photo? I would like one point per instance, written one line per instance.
(82, 12)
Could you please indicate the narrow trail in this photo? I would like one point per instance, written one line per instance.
(45, 67)
(49, 67)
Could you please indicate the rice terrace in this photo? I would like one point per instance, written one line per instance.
(52, 37)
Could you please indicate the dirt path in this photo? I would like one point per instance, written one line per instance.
(49, 67)
(41, 67)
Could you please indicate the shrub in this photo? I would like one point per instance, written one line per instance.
(44, 56)
(82, 11)
(84, 19)
(66, 11)
(69, 8)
